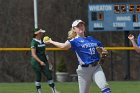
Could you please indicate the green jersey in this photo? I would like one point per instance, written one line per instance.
(40, 46)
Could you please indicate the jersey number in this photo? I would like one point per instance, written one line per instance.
(92, 51)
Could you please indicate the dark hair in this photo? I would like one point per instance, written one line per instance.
(34, 35)
(34, 30)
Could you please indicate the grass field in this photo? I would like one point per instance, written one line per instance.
(70, 87)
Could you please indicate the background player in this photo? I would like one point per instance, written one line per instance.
(132, 39)
(39, 61)
(88, 57)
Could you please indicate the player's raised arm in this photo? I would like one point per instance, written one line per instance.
(65, 45)
(132, 39)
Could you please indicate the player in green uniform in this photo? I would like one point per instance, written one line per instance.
(39, 61)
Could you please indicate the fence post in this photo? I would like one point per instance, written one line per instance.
(127, 58)
(111, 64)
(54, 66)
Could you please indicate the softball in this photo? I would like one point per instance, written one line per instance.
(46, 38)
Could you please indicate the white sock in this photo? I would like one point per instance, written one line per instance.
(54, 90)
(38, 86)
(39, 90)
(52, 87)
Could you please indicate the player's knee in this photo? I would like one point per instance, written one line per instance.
(107, 90)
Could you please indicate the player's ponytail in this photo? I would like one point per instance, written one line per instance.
(71, 34)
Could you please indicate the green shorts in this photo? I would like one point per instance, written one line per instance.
(38, 69)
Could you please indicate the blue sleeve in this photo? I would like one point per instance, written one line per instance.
(138, 40)
(72, 44)
(100, 44)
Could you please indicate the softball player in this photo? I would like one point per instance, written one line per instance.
(132, 39)
(85, 48)
(39, 61)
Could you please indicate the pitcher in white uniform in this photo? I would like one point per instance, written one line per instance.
(85, 48)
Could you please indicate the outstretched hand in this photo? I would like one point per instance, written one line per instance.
(47, 40)
(131, 37)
